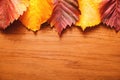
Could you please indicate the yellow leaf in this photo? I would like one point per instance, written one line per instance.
(90, 15)
(38, 12)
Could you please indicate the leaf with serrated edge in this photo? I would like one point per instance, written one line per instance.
(65, 13)
(110, 13)
(11, 10)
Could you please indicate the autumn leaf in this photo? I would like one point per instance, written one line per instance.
(38, 12)
(110, 13)
(65, 13)
(90, 15)
(11, 10)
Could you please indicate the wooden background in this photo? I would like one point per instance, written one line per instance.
(76, 55)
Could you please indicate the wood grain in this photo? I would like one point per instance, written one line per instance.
(77, 55)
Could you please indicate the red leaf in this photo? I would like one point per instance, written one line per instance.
(11, 10)
(110, 13)
(65, 13)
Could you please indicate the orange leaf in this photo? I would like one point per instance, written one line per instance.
(38, 12)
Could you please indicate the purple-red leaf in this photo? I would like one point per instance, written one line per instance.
(10, 10)
(65, 13)
(110, 13)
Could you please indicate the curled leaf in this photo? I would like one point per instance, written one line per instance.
(65, 13)
(11, 10)
(90, 15)
(38, 12)
(110, 13)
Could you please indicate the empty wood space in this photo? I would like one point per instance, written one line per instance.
(76, 55)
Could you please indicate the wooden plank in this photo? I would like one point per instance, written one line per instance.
(77, 55)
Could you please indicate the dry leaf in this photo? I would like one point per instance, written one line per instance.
(10, 10)
(90, 15)
(65, 13)
(110, 13)
(38, 12)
